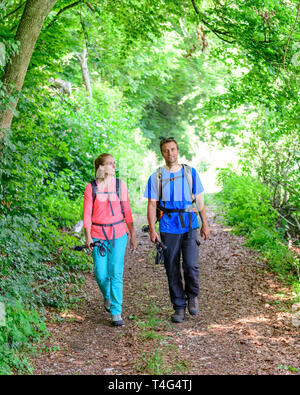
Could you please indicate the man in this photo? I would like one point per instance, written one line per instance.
(172, 189)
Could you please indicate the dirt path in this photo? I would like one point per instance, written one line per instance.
(244, 326)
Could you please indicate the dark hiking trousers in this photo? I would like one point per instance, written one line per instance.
(177, 244)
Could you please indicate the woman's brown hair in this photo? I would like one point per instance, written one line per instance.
(100, 161)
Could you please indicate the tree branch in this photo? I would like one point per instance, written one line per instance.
(12, 12)
(68, 7)
(222, 38)
(296, 225)
(293, 29)
(63, 10)
(195, 7)
(215, 31)
(90, 6)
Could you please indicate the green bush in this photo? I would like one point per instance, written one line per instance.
(45, 163)
(23, 326)
(273, 247)
(246, 202)
(246, 206)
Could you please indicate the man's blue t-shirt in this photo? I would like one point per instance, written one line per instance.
(176, 194)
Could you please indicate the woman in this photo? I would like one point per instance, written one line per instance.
(104, 214)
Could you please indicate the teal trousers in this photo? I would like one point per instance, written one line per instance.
(109, 272)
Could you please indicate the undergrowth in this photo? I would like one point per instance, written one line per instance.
(245, 205)
(46, 160)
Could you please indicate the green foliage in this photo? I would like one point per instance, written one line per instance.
(288, 368)
(275, 158)
(155, 362)
(247, 207)
(46, 162)
(23, 326)
(153, 321)
(209, 71)
(247, 201)
(169, 85)
(37, 270)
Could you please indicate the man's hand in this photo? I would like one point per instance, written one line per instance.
(204, 232)
(151, 215)
(154, 236)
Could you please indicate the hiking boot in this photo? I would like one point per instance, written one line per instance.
(117, 320)
(193, 306)
(107, 305)
(178, 316)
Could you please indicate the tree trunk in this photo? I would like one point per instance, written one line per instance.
(27, 34)
(85, 71)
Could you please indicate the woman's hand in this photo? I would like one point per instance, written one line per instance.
(133, 243)
(88, 238)
(88, 242)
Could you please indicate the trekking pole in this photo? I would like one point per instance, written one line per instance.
(102, 247)
(160, 247)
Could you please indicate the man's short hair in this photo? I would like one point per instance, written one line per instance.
(166, 140)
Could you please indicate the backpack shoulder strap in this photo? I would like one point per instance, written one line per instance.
(118, 188)
(189, 176)
(158, 179)
(119, 193)
(94, 192)
(94, 189)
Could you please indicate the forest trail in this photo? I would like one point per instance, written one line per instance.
(244, 325)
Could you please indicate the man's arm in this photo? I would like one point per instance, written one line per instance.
(202, 213)
(151, 216)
